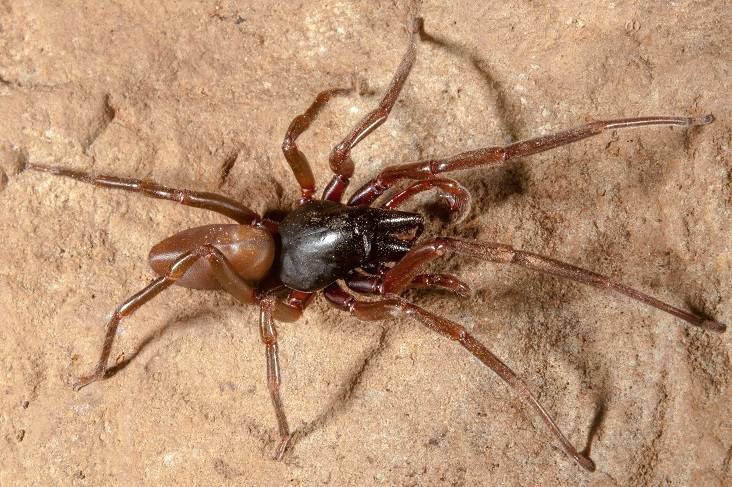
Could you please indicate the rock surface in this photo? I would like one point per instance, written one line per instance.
(200, 95)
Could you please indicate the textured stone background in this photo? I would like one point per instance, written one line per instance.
(178, 91)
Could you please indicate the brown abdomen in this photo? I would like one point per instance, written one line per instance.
(249, 250)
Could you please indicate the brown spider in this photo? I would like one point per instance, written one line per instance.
(372, 250)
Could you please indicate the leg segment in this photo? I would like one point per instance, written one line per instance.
(340, 158)
(491, 156)
(297, 160)
(370, 284)
(450, 190)
(130, 306)
(387, 308)
(268, 333)
(233, 284)
(207, 201)
(404, 271)
(227, 277)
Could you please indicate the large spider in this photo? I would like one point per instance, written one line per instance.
(323, 244)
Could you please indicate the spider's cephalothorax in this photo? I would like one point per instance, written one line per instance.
(323, 241)
(326, 244)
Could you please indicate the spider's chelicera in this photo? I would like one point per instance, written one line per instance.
(324, 244)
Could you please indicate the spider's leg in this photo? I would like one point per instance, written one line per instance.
(371, 284)
(404, 271)
(491, 156)
(268, 333)
(340, 158)
(387, 308)
(271, 309)
(297, 160)
(225, 274)
(207, 201)
(456, 196)
(177, 270)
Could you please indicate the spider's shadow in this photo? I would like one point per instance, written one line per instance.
(600, 411)
(341, 400)
(509, 179)
(178, 322)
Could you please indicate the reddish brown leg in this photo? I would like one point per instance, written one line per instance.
(232, 283)
(297, 160)
(271, 309)
(178, 269)
(490, 156)
(387, 308)
(227, 277)
(340, 158)
(404, 271)
(369, 284)
(207, 201)
(450, 190)
(268, 333)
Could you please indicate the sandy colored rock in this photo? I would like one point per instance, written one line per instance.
(199, 95)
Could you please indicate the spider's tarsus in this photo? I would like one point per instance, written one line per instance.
(82, 383)
(417, 25)
(585, 462)
(41, 168)
(713, 326)
(279, 452)
(707, 119)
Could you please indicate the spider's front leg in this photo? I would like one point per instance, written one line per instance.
(388, 308)
(340, 158)
(453, 193)
(295, 158)
(374, 284)
(492, 156)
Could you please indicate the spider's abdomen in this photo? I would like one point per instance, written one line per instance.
(322, 241)
(249, 250)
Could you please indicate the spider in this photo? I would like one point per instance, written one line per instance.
(324, 245)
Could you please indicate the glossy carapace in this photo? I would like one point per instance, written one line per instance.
(322, 241)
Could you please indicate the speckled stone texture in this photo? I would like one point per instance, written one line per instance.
(199, 95)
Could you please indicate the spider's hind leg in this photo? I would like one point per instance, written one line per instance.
(268, 334)
(177, 270)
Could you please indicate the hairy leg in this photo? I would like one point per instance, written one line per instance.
(387, 308)
(492, 156)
